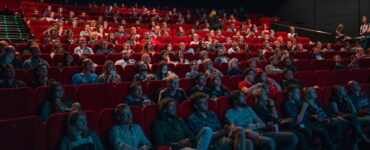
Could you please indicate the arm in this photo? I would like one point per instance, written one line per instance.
(251, 89)
(116, 140)
(258, 121)
(143, 139)
(277, 85)
(63, 144)
(302, 113)
(97, 142)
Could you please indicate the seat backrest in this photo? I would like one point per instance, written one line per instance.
(56, 127)
(182, 69)
(128, 72)
(223, 105)
(342, 76)
(361, 75)
(22, 133)
(67, 73)
(151, 114)
(154, 87)
(186, 108)
(96, 96)
(234, 82)
(306, 77)
(17, 102)
(324, 78)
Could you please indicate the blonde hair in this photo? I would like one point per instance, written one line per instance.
(232, 61)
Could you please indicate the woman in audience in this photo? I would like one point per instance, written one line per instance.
(109, 74)
(272, 67)
(79, 136)
(233, 68)
(163, 71)
(181, 58)
(180, 31)
(165, 56)
(145, 58)
(56, 101)
(142, 73)
(354, 63)
(217, 88)
(8, 78)
(172, 90)
(56, 48)
(125, 134)
(148, 48)
(221, 58)
(111, 39)
(193, 70)
(136, 96)
(338, 63)
(209, 70)
(67, 60)
(261, 77)
(41, 76)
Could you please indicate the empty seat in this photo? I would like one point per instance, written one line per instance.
(324, 78)
(96, 96)
(17, 102)
(67, 73)
(22, 133)
(56, 127)
(306, 77)
(186, 83)
(223, 105)
(342, 76)
(151, 114)
(321, 64)
(128, 72)
(182, 69)
(154, 87)
(234, 82)
(360, 75)
(20, 74)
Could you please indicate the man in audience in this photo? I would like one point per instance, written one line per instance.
(288, 79)
(223, 138)
(125, 134)
(180, 137)
(35, 58)
(360, 101)
(8, 78)
(125, 59)
(10, 57)
(87, 75)
(83, 48)
(200, 85)
(172, 90)
(272, 67)
(136, 96)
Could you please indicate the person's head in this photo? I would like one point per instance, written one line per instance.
(354, 59)
(8, 72)
(163, 68)
(9, 52)
(172, 82)
(288, 61)
(318, 45)
(167, 106)
(35, 51)
(354, 86)
(208, 64)
(142, 68)
(195, 37)
(200, 79)
(288, 74)
(364, 19)
(309, 94)
(252, 63)
(55, 91)
(203, 55)
(260, 77)
(123, 114)
(340, 27)
(273, 60)
(233, 63)
(215, 81)
(41, 71)
(260, 96)
(291, 29)
(293, 93)
(337, 58)
(199, 102)
(339, 91)
(125, 55)
(136, 90)
(248, 75)
(88, 65)
(165, 55)
(87, 28)
(237, 99)
(145, 58)
(108, 67)
(194, 65)
(67, 58)
(104, 44)
(82, 41)
(77, 123)
(121, 28)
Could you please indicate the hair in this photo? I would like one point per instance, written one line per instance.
(195, 97)
(271, 58)
(198, 76)
(286, 71)
(106, 65)
(206, 62)
(231, 62)
(160, 66)
(36, 70)
(305, 92)
(163, 104)
(51, 94)
(132, 86)
(65, 55)
(34, 47)
(257, 77)
(291, 88)
(120, 107)
(246, 72)
(234, 95)
(71, 121)
(145, 47)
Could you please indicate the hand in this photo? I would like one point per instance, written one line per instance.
(305, 104)
(271, 102)
(255, 136)
(144, 147)
(340, 118)
(184, 142)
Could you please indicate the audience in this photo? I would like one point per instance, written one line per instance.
(247, 86)
(233, 68)
(142, 73)
(83, 48)
(338, 63)
(109, 74)
(136, 96)
(288, 79)
(87, 75)
(217, 88)
(9, 57)
(200, 86)
(272, 68)
(209, 70)
(125, 59)
(8, 78)
(104, 48)
(193, 70)
(261, 77)
(162, 71)
(35, 59)
(41, 77)
(67, 60)
(172, 90)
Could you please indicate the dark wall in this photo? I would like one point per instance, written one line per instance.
(325, 14)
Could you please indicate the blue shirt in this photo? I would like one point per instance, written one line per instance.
(360, 102)
(242, 117)
(131, 135)
(81, 78)
(196, 121)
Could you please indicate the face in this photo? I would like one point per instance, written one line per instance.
(124, 116)
(164, 69)
(42, 71)
(356, 87)
(173, 84)
(288, 62)
(9, 73)
(264, 77)
(202, 81)
(58, 91)
(105, 45)
(295, 94)
(289, 75)
(217, 81)
(201, 105)
(194, 66)
(143, 68)
(146, 59)
(171, 109)
(81, 123)
(110, 68)
(69, 58)
(137, 91)
(89, 66)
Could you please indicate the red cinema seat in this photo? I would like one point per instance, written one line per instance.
(58, 58)
(276, 77)
(234, 82)
(241, 56)
(154, 68)
(17, 102)
(151, 114)
(96, 58)
(182, 69)
(303, 65)
(96, 96)
(53, 73)
(360, 75)
(326, 93)
(279, 101)
(364, 63)
(154, 87)
(324, 78)
(20, 74)
(186, 108)
(22, 133)
(186, 83)
(223, 105)
(342, 76)
(306, 77)
(128, 72)
(321, 64)
(114, 56)
(107, 120)
(41, 94)
(56, 127)
(67, 73)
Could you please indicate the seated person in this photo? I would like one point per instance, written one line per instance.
(272, 67)
(87, 75)
(193, 70)
(67, 60)
(8, 78)
(79, 136)
(209, 70)
(316, 52)
(296, 109)
(266, 110)
(35, 58)
(224, 138)
(217, 88)
(109, 74)
(200, 86)
(233, 67)
(172, 90)
(125, 134)
(354, 63)
(162, 71)
(181, 136)
(221, 58)
(261, 77)
(241, 115)
(142, 73)
(288, 79)
(125, 59)
(136, 96)
(104, 49)
(56, 101)
(41, 77)
(83, 48)
(247, 86)
(9, 57)
(359, 100)
(288, 64)
(338, 63)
